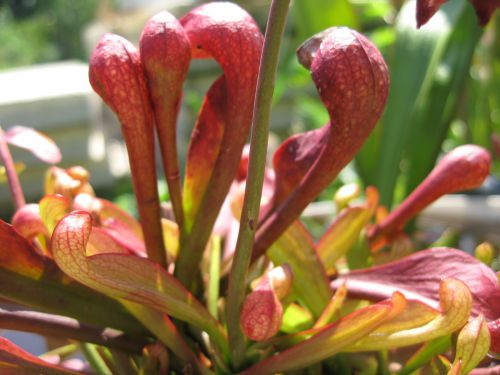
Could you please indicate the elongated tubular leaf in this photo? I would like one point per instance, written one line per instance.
(463, 168)
(204, 148)
(296, 248)
(16, 361)
(352, 80)
(127, 277)
(411, 328)
(331, 339)
(165, 55)
(229, 34)
(31, 280)
(418, 277)
(116, 74)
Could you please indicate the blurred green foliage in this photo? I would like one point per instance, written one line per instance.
(38, 31)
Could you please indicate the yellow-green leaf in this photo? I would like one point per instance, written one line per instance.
(127, 277)
(343, 233)
(472, 345)
(295, 247)
(420, 323)
(332, 338)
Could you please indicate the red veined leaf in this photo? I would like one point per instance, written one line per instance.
(352, 80)
(16, 361)
(116, 74)
(227, 33)
(463, 168)
(29, 279)
(126, 277)
(165, 55)
(32, 140)
(418, 277)
(214, 29)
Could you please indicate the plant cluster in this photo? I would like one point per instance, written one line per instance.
(236, 284)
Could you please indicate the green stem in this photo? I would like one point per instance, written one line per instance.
(12, 177)
(95, 360)
(258, 149)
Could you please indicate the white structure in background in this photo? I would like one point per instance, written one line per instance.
(57, 99)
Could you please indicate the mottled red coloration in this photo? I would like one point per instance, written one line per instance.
(418, 276)
(262, 312)
(463, 168)
(494, 328)
(427, 8)
(353, 82)
(165, 54)
(228, 34)
(116, 74)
